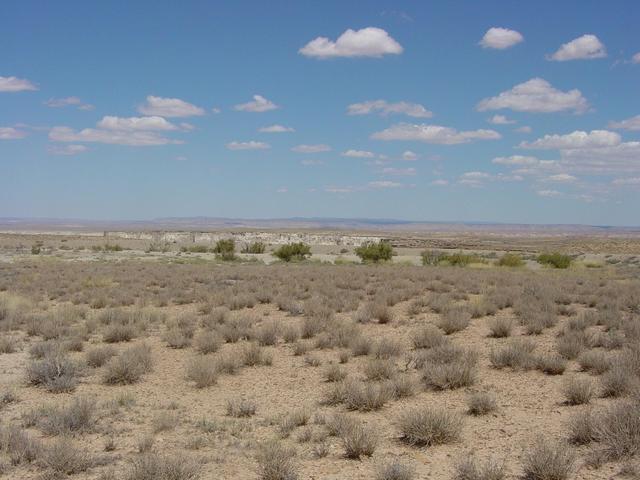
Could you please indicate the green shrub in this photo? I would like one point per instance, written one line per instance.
(555, 260)
(461, 259)
(372, 252)
(225, 249)
(112, 247)
(195, 249)
(254, 247)
(431, 257)
(510, 260)
(293, 252)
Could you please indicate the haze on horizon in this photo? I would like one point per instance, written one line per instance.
(440, 111)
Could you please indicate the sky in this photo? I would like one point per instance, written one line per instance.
(493, 111)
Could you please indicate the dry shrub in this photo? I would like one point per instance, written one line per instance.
(387, 348)
(268, 334)
(552, 364)
(428, 336)
(394, 470)
(153, 466)
(253, 354)
(571, 343)
(449, 367)
(517, 354)
(428, 426)
(401, 386)
(582, 428)
(241, 407)
(334, 373)
(470, 469)
(358, 440)
(617, 431)
(64, 457)
(295, 419)
(163, 422)
(548, 460)
(594, 361)
(454, 319)
(276, 462)
(380, 369)
(501, 327)
(119, 333)
(19, 445)
(98, 356)
(129, 366)
(578, 391)
(361, 346)
(207, 342)
(7, 345)
(56, 372)
(481, 403)
(203, 371)
(77, 416)
(365, 396)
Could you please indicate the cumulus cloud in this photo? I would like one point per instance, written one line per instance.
(632, 123)
(115, 137)
(501, 120)
(276, 129)
(14, 84)
(385, 184)
(358, 154)
(536, 95)
(518, 160)
(548, 193)
(67, 150)
(433, 134)
(311, 148)
(169, 107)
(586, 47)
(251, 145)
(10, 133)
(562, 178)
(68, 101)
(575, 140)
(400, 172)
(135, 123)
(627, 181)
(383, 107)
(619, 159)
(258, 105)
(440, 183)
(409, 156)
(501, 38)
(367, 42)
(636, 58)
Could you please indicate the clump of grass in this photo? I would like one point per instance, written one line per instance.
(379, 369)
(617, 431)
(56, 372)
(129, 366)
(334, 373)
(548, 460)
(295, 419)
(19, 445)
(241, 407)
(119, 333)
(594, 361)
(207, 341)
(500, 327)
(253, 354)
(394, 470)
(517, 354)
(276, 462)
(203, 371)
(571, 343)
(449, 367)
(552, 364)
(582, 428)
(578, 391)
(481, 403)
(364, 396)
(358, 440)
(428, 336)
(454, 319)
(62, 456)
(428, 426)
(98, 356)
(163, 422)
(77, 416)
(470, 469)
(153, 466)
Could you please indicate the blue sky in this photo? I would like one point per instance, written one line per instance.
(443, 111)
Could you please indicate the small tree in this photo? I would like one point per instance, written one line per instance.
(372, 252)
(431, 257)
(293, 252)
(510, 260)
(254, 247)
(225, 249)
(555, 260)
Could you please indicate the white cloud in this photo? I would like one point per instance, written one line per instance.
(182, 158)
(115, 137)
(169, 107)
(385, 184)
(282, 190)
(585, 47)
(500, 120)
(632, 123)
(627, 181)
(216, 110)
(358, 154)
(367, 42)
(574, 140)
(276, 129)
(409, 156)
(68, 101)
(14, 84)
(67, 150)
(311, 163)
(251, 145)
(548, 193)
(334, 189)
(614, 160)
(135, 123)
(524, 129)
(10, 133)
(536, 95)
(636, 58)
(501, 38)
(311, 148)
(440, 183)
(562, 178)
(400, 172)
(259, 104)
(518, 160)
(385, 108)
(433, 134)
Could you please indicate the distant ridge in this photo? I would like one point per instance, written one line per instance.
(17, 224)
